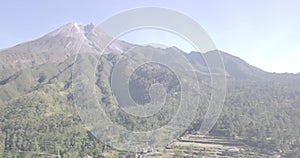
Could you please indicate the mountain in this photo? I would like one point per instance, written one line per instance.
(73, 38)
(37, 95)
(57, 46)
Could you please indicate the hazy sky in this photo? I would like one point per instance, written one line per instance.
(265, 33)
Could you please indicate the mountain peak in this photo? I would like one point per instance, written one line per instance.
(59, 45)
(89, 28)
(69, 30)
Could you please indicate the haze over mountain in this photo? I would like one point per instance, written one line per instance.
(58, 46)
(35, 89)
(67, 40)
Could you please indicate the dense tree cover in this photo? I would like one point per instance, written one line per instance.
(44, 123)
(263, 115)
(41, 119)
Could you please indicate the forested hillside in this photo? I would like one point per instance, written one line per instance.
(39, 116)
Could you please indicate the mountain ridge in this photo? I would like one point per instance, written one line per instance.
(73, 38)
(37, 99)
(57, 46)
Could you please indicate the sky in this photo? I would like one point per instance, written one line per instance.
(264, 33)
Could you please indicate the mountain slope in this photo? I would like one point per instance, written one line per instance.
(261, 108)
(57, 46)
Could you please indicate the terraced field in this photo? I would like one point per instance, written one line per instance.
(207, 147)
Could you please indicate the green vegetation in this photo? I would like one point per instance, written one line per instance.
(38, 118)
